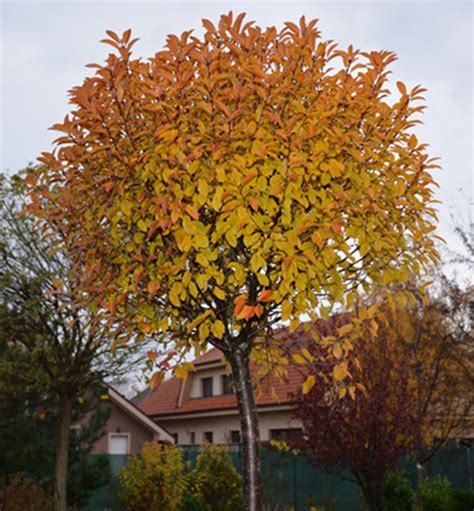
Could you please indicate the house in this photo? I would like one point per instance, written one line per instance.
(127, 428)
(204, 407)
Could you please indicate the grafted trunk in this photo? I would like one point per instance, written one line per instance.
(62, 452)
(240, 364)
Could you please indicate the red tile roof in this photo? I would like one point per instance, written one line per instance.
(270, 391)
(164, 399)
(213, 355)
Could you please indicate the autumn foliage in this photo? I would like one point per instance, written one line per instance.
(415, 375)
(236, 180)
(241, 163)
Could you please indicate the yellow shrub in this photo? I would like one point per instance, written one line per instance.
(154, 479)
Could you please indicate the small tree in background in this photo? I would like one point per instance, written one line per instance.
(232, 182)
(53, 351)
(414, 368)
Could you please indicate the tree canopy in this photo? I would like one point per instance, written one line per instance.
(262, 167)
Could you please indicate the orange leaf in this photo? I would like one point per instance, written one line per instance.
(239, 303)
(265, 296)
(287, 262)
(152, 356)
(336, 227)
(258, 309)
(156, 379)
(247, 312)
(248, 178)
(402, 88)
(192, 212)
(254, 203)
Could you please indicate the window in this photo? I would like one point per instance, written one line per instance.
(119, 443)
(208, 437)
(286, 434)
(235, 437)
(176, 437)
(207, 390)
(227, 385)
(192, 438)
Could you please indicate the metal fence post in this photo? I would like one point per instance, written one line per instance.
(295, 493)
(469, 467)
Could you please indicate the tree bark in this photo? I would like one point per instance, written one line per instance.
(240, 364)
(62, 453)
(372, 494)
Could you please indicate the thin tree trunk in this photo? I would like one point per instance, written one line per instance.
(372, 495)
(62, 452)
(240, 364)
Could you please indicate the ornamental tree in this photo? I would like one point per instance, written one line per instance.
(233, 181)
(415, 369)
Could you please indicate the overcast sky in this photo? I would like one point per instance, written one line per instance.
(45, 46)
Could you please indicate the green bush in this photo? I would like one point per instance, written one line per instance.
(215, 483)
(154, 479)
(463, 500)
(436, 495)
(398, 493)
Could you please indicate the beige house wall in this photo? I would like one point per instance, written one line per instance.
(121, 422)
(196, 384)
(222, 425)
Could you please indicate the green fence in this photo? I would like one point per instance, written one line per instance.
(290, 482)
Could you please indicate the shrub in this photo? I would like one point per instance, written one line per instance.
(398, 493)
(463, 500)
(154, 479)
(436, 495)
(215, 482)
(22, 494)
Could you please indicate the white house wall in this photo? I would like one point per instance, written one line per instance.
(221, 426)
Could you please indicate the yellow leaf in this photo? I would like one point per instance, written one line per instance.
(203, 332)
(340, 371)
(299, 359)
(307, 355)
(345, 329)
(181, 372)
(218, 329)
(126, 207)
(286, 309)
(352, 391)
(174, 298)
(337, 350)
(309, 384)
(219, 293)
(294, 324)
(199, 319)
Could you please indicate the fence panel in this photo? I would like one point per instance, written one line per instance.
(290, 482)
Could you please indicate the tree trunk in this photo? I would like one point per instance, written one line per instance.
(372, 495)
(62, 452)
(240, 364)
